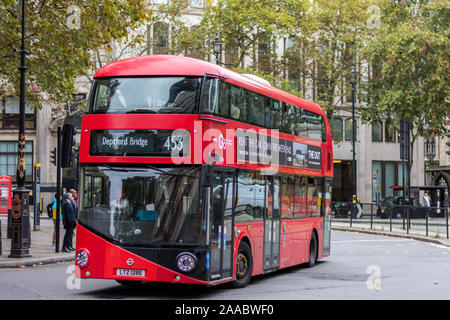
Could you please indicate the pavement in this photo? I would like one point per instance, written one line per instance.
(436, 235)
(41, 249)
(43, 252)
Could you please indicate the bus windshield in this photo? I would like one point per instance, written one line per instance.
(146, 95)
(140, 206)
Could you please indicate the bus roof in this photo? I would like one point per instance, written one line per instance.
(167, 65)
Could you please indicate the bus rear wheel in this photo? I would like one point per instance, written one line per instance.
(244, 266)
(313, 250)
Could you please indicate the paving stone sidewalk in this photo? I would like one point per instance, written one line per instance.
(41, 249)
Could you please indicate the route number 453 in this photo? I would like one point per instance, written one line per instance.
(174, 143)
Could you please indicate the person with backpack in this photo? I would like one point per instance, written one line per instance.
(53, 216)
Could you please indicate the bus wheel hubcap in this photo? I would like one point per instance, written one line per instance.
(242, 265)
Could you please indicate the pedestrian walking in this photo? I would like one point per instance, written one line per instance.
(69, 221)
(427, 205)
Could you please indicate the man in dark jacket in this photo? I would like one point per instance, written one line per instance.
(69, 221)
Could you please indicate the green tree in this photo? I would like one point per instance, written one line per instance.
(249, 28)
(324, 47)
(61, 36)
(409, 57)
(185, 38)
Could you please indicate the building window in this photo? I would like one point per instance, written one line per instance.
(195, 49)
(160, 38)
(349, 130)
(388, 174)
(9, 115)
(231, 55)
(376, 186)
(337, 127)
(389, 132)
(264, 51)
(8, 159)
(377, 131)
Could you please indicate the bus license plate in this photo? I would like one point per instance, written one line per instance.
(130, 272)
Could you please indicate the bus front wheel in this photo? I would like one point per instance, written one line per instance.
(244, 266)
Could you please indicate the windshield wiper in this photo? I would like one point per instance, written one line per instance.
(141, 110)
(168, 173)
(120, 169)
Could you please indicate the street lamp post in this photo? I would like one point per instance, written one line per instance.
(20, 241)
(353, 82)
(217, 47)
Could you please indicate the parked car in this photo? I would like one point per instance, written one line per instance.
(394, 206)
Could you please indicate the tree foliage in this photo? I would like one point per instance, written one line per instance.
(61, 39)
(411, 55)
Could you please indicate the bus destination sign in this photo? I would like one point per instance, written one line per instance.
(258, 148)
(152, 142)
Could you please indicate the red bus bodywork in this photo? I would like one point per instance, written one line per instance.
(105, 257)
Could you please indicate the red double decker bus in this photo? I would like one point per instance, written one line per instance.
(193, 173)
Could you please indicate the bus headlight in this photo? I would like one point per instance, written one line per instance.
(186, 261)
(82, 258)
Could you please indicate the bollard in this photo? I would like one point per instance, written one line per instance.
(371, 216)
(351, 214)
(446, 219)
(9, 225)
(390, 218)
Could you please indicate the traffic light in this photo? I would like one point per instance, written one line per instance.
(68, 133)
(53, 156)
(447, 143)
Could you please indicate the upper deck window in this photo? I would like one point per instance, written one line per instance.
(146, 95)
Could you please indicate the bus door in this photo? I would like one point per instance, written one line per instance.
(272, 224)
(326, 213)
(221, 235)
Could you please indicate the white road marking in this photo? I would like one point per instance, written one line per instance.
(381, 240)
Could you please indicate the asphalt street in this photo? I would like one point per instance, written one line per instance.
(361, 266)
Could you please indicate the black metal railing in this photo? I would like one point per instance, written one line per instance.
(420, 220)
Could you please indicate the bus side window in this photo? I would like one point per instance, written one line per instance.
(277, 114)
(287, 196)
(314, 125)
(256, 108)
(301, 207)
(87, 197)
(284, 127)
(292, 119)
(237, 103)
(272, 113)
(210, 96)
(224, 105)
(302, 128)
(323, 129)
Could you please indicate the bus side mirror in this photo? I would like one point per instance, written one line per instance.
(206, 175)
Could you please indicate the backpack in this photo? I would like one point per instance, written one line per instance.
(50, 210)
